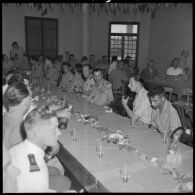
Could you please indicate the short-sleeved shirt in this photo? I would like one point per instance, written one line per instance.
(117, 76)
(168, 119)
(29, 159)
(174, 72)
(142, 106)
(67, 79)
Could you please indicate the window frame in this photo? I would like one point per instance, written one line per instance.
(125, 34)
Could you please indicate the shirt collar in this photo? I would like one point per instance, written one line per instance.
(31, 147)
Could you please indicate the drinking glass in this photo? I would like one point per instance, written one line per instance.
(91, 103)
(74, 135)
(165, 137)
(63, 122)
(99, 149)
(132, 123)
(124, 173)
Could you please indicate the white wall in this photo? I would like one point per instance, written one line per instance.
(161, 38)
(170, 33)
(71, 30)
(14, 27)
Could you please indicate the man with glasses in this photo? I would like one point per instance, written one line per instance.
(102, 91)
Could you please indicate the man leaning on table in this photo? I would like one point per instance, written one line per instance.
(164, 115)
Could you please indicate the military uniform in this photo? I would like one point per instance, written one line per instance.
(88, 85)
(102, 93)
(29, 159)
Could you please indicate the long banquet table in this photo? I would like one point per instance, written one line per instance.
(177, 85)
(102, 174)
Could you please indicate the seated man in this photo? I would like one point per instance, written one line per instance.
(103, 63)
(72, 61)
(141, 105)
(92, 61)
(174, 70)
(117, 76)
(41, 127)
(53, 72)
(67, 77)
(150, 71)
(77, 84)
(19, 100)
(102, 91)
(113, 64)
(89, 81)
(164, 115)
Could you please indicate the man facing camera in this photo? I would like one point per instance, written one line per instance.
(174, 69)
(41, 127)
(102, 91)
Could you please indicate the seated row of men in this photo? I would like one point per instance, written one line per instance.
(27, 134)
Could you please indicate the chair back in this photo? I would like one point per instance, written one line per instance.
(168, 90)
(187, 92)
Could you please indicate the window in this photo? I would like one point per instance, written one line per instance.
(123, 40)
(41, 36)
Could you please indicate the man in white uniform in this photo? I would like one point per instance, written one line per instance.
(41, 127)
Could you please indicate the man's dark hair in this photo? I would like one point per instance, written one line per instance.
(14, 43)
(60, 57)
(33, 57)
(114, 58)
(137, 77)
(156, 90)
(78, 68)
(84, 58)
(97, 70)
(65, 64)
(71, 54)
(88, 65)
(15, 93)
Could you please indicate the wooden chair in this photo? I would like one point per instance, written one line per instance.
(168, 90)
(187, 93)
